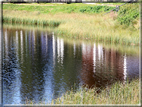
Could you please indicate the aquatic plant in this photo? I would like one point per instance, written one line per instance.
(14, 20)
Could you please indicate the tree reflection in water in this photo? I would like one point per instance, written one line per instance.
(102, 67)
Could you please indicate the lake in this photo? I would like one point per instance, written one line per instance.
(39, 66)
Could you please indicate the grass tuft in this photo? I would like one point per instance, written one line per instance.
(118, 93)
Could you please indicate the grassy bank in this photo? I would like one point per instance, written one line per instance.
(79, 21)
(115, 94)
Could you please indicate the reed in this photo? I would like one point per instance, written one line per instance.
(25, 27)
(36, 22)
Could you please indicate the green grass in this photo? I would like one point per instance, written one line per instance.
(118, 93)
(84, 21)
(57, 8)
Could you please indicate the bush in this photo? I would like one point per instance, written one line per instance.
(82, 10)
(95, 9)
(128, 13)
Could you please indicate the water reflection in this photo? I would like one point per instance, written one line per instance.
(39, 66)
(102, 67)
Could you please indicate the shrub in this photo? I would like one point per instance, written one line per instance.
(82, 10)
(95, 9)
(128, 13)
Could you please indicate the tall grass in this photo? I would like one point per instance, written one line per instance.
(25, 27)
(36, 22)
(99, 28)
(76, 25)
(118, 93)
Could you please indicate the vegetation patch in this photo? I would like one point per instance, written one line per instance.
(128, 14)
(56, 8)
(118, 93)
(36, 22)
(78, 21)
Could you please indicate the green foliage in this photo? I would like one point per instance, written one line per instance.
(128, 13)
(95, 9)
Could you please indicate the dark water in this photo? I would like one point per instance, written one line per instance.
(39, 66)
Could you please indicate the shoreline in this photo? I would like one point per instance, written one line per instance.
(128, 49)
